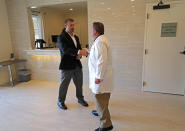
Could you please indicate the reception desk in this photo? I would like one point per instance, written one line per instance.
(44, 65)
(51, 51)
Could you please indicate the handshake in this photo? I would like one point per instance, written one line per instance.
(82, 52)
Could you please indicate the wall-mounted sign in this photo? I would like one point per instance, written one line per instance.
(168, 29)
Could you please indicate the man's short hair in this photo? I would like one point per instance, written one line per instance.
(99, 27)
(69, 19)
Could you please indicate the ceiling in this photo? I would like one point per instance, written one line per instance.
(68, 7)
(80, 6)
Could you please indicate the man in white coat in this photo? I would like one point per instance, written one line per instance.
(101, 75)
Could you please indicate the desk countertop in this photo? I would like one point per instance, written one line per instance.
(10, 62)
(52, 51)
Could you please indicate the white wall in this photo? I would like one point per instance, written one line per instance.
(19, 27)
(5, 41)
(126, 34)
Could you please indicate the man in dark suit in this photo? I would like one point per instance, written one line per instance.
(70, 65)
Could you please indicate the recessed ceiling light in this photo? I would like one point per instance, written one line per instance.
(33, 7)
(71, 9)
(132, 0)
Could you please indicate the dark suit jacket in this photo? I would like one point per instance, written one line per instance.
(68, 51)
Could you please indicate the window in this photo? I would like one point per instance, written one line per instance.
(37, 26)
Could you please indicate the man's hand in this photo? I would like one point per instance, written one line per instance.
(98, 81)
(79, 57)
(83, 52)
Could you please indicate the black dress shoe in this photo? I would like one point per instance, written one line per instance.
(62, 105)
(95, 113)
(83, 103)
(105, 129)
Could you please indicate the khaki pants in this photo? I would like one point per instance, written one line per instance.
(102, 102)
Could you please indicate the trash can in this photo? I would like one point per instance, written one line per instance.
(24, 75)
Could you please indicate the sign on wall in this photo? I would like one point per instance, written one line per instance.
(168, 29)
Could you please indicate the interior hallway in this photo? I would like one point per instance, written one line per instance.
(32, 107)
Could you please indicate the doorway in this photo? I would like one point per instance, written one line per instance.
(164, 65)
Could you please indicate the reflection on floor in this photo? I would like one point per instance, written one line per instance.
(32, 107)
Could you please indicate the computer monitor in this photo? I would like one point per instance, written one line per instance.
(54, 38)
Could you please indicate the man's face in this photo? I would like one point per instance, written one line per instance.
(70, 26)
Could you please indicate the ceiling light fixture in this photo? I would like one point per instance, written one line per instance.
(33, 7)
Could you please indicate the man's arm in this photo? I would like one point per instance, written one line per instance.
(101, 57)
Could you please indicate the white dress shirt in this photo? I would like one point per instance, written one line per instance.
(74, 40)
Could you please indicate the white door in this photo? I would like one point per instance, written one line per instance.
(164, 66)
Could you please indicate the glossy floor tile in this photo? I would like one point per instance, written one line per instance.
(32, 107)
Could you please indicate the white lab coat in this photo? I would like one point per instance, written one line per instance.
(100, 66)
